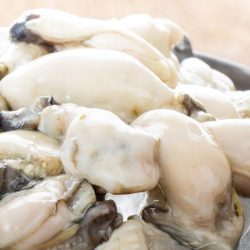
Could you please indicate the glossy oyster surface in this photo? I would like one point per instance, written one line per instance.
(233, 135)
(77, 32)
(16, 55)
(177, 174)
(97, 145)
(242, 101)
(135, 88)
(214, 101)
(54, 212)
(100, 147)
(197, 72)
(39, 25)
(96, 227)
(31, 152)
(40, 208)
(138, 235)
(200, 208)
(163, 34)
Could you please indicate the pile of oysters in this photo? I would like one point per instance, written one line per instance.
(111, 138)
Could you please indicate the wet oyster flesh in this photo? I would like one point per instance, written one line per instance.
(200, 207)
(59, 208)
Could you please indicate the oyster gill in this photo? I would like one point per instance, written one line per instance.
(12, 180)
(53, 211)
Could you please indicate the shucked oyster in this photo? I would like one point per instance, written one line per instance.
(131, 90)
(137, 235)
(16, 55)
(96, 227)
(233, 135)
(199, 207)
(214, 101)
(31, 152)
(161, 33)
(98, 146)
(50, 215)
(242, 101)
(11, 60)
(195, 71)
(36, 25)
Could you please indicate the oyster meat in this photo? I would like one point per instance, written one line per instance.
(214, 101)
(195, 71)
(31, 152)
(163, 34)
(97, 145)
(233, 135)
(199, 207)
(53, 211)
(100, 147)
(242, 101)
(19, 54)
(131, 90)
(137, 235)
(112, 34)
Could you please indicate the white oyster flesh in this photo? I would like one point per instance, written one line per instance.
(137, 235)
(89, 77)
(161, 33)
(50, 25)
(17, 54)
(44, 212)
(214, 101)
(47, 23)
(128, 236)
(36, 154)
(101, 148)
(39, 25)
(195, 179)
(58, 26)
(233, 136)
(242, 101)
(195, 71)
(127, 42)
(3, 104)
(55, 120)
